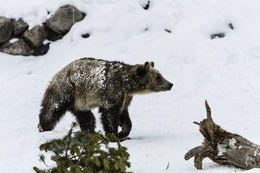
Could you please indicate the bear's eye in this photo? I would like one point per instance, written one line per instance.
(158, 78)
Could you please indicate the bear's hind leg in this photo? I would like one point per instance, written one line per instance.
(86, 120)
(125, 123)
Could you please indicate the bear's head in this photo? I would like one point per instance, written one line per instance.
(149, 79)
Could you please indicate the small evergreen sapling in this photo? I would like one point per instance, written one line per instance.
(79, 152)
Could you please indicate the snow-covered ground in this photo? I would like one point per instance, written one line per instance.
(225, 71)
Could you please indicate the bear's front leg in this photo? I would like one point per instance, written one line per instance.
(126, 124)
(86, 120)
(110, 120)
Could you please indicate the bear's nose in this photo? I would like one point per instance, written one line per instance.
(170, 86)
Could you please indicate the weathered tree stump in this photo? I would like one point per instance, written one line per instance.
(223, 147)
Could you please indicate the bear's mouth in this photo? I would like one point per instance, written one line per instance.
(167, 87)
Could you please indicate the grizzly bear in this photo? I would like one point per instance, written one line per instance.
(88, 83)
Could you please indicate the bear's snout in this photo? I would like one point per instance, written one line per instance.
(169, 87)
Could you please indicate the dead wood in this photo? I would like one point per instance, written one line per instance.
(223, 147)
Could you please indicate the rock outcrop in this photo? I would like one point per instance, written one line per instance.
(31, 41)
(5, 29)
(19, 26)
(19, 47)
(35, 36)
(64, 18)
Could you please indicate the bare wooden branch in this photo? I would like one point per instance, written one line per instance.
(208, 110)
(223, 147)
(195, 122)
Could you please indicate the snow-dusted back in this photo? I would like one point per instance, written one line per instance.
(99, 72)
(223, 71)
(93, 72)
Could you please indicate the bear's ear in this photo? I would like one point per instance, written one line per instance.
(152, 64)
(143, 69)
(146, 67)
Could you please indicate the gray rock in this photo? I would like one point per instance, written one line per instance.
(19, 26)
(86, 35)
(42, 50)
(5, 29)
(51, 35)
(35, 36)
(19, 47)
(217, 35)
(147, 5)
(64, 18)
(231, 26)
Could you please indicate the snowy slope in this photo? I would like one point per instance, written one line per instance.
(224, 71)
